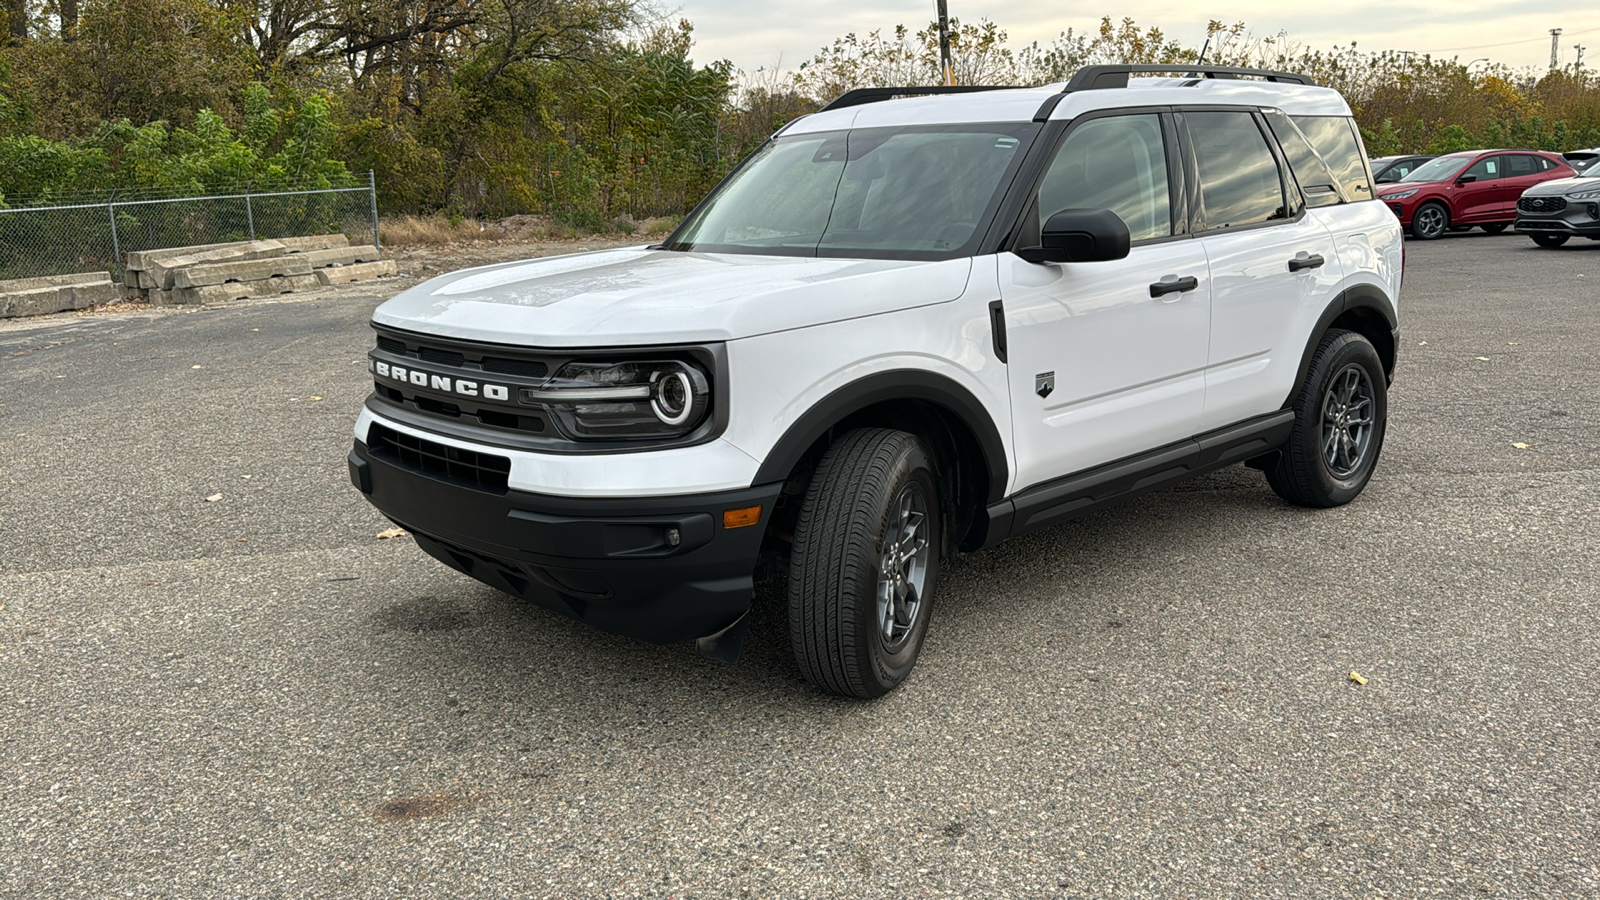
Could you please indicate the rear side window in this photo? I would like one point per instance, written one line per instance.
(1335, 140)
(1521, 164)
(1239, 180)
(1317, 182)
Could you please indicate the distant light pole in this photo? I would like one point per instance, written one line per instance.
(945, 68)
(1476, 61)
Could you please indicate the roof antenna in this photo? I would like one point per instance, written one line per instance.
(1202, 60)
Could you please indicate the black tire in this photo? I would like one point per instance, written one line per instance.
(1495, 227)
(1305, 475)
(837, 625)
(1430, 221)
(1549, 240)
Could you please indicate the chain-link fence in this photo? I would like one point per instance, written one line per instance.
(62, 238)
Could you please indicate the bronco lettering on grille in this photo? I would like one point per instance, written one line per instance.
(443, 383)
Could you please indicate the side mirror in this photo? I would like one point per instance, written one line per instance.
(1080, 235)
(1466, 179)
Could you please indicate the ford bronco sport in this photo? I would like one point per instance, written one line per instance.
(911, 325)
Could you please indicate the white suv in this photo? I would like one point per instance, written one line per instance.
(910, 326)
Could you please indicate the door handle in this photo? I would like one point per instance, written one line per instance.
(1313, 261)
(1173, 285)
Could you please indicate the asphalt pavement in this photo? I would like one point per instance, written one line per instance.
(215, 680)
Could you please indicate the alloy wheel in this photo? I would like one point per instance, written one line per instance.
(903, 567)
(1347, 420)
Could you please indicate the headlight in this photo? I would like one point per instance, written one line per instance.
(1585, 195)
(664, 398)
(1401, 195)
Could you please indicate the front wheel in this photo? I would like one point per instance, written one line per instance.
(1495, 227)
(1430, 222)
(1340, 417)
(865, 563)
(1549, 240)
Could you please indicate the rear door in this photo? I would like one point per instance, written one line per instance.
(1272, 262)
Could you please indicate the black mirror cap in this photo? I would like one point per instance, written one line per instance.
(1081, 235)
(1466, 179)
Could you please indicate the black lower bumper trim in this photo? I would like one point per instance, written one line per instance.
(659, 569)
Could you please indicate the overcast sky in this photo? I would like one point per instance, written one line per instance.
(1514, 32)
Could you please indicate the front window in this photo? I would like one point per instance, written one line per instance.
(1442, 169)
(884, 193)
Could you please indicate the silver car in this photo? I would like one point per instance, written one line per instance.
(1553, 212)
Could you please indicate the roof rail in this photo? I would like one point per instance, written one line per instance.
(1094, 78)
(1091, 78)
(862, 96)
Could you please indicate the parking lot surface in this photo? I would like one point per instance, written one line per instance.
(217, 681)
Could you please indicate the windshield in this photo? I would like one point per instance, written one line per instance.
(1592, 172)
(1441, 169)
(884, 193)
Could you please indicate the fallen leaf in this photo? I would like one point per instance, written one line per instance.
(1422, 343)
(1484, 358)
(242, 540)
(391, 533)
(1519, 445)
(197, 367)
(213, 498)
(1356, 677)
(313, 398)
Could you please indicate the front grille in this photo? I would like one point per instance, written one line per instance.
(465, 467)
(468, 360)
(1542, 204)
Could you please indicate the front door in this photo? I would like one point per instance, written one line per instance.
(1479, 200)
(1107, 359)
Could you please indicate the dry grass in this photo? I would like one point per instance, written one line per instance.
(410, 231)
(439, 229)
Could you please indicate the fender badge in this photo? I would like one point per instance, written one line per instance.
(1044, 383)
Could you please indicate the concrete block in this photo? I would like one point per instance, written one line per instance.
(161, 267)
(159, 296)
(138, 260)
(382, 268)
(43, 281)
(244, 290)
(248, 270)
(83, 296)
(314, 242)
(340, 256)
(37, 301)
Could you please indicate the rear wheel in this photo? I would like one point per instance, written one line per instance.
(1340, 418)
(1495, 227)
(1549, 240)
(865, 563)
(1430, 221)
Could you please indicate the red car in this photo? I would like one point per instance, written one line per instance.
(1478, 187)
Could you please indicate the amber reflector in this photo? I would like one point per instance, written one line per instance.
(739, 518)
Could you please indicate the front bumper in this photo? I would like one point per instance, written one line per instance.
(1578, 218)
(605, 561)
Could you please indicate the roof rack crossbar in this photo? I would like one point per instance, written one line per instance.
(863, 96)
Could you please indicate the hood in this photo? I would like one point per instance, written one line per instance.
(638, 296)
(1397, 187)
(1563, 186)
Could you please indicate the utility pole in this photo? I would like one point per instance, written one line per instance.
(1555, 49)
(945, 68)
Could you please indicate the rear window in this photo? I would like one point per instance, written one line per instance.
(1334, 138)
